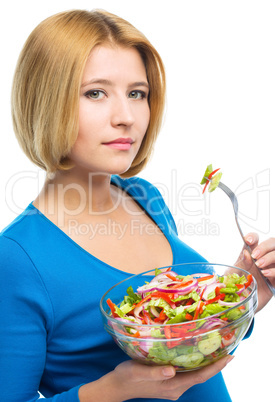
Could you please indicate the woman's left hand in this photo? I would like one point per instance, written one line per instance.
(264, 254)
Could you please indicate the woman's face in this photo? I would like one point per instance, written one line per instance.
(113, 111)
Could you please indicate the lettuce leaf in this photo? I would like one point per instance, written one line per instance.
(132, 297)
(234, 279)
(157, 271)
(233, 314)
(193, 295)
(160, 303)
(213, 308)
(120, 312)
(161, 352)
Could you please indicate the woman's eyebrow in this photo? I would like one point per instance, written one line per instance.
(139, 84)
(97, 81)
(108, 82)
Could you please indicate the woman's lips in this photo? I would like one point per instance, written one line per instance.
(122, 144)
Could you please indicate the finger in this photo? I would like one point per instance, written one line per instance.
(140, 372)
(270, 274)
(252, 239)
(267, 261)
(264, 248)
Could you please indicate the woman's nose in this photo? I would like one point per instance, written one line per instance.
(122, 114)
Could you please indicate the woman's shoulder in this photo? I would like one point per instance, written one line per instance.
(23, 230)
(20, 224)
(15, 261)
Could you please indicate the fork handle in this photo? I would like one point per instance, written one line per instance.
(271, 288)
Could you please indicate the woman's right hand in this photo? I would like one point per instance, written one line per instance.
(131, 380)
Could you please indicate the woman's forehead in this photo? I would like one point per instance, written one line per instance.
(110, 62)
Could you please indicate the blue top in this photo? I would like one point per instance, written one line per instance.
(51, 334)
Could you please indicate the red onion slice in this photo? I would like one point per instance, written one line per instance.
(154, 311)
(214, 322)
(240, 290)
(181, 291)
(143, 290)
(124, 320)
(138, 309)
(152, 286)
(148, 320)
(208, 281)
(144, 332)
(211, 288)
(146, 345)
(229, 304)
(160, 278)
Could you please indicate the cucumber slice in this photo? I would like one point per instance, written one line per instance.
(189, 361)
(208, 346)
(214, 182)
(207, 172)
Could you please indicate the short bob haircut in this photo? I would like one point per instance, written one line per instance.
(47, 81)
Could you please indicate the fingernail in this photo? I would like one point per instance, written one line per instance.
(255, 254)
(168, 371)
(229, 359)
(260, 263)
(266, 272)
(249, 240)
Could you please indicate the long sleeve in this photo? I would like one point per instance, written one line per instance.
(26, 319)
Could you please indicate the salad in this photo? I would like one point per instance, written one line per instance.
(171, 312)
(211, 176)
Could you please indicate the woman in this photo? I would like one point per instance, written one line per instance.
(88, 99)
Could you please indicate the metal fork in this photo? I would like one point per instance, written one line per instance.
(234, 201)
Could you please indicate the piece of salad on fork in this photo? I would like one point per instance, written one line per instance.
(212, 178)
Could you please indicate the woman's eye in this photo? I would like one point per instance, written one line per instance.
(137, 95)
(94, 94)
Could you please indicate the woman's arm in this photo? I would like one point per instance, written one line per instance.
(130, 380)
(25, 324)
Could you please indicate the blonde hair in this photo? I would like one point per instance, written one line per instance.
(51, 66)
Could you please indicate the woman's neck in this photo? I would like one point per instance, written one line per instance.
(77, 193)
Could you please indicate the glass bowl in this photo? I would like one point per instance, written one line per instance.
(187, 345)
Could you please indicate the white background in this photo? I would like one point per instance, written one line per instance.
(220, 64)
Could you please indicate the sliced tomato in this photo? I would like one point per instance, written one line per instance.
(249, 281)
(221, 296)
(181, 285)
(189, 317)
(165, 296)
(162, 316)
